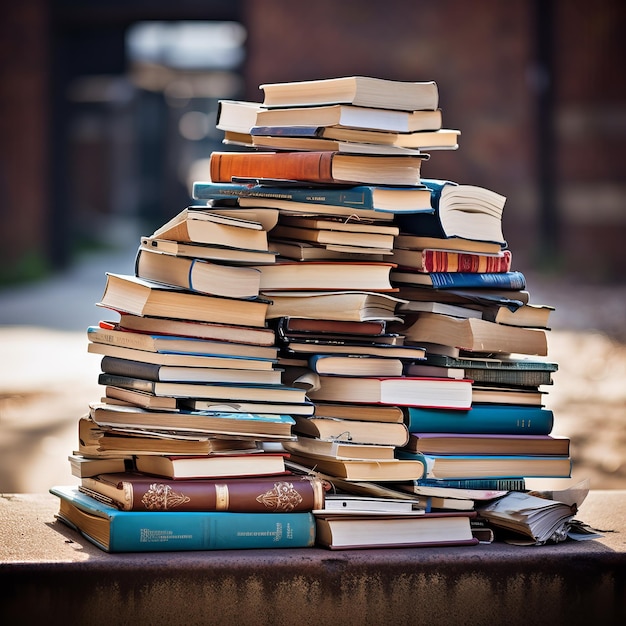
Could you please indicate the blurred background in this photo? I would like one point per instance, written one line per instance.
(108, 114)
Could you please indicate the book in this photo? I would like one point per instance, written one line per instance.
(377, 470)
(475, 296)
(435, 371)
(208, 252)
(323, 137)
(509, 377)
(198, 275)
(342, 115)
(352, 430)
(491, 484)
(307, 251)
(359, 412)
(240, 406)
(114, 334)
(494, 394)
(199, 225)
(267, 217)
(317, 144)
(129, 294)
(528, 315)
(83, 467)
(338, 532)
(325, 276)
(326, 232)
(289, 325)
(476, 335)
(138, 492)
(175, 359)
(355, 365)
(350, 504)
(512, 281)
(532, 518)
(482, 419)
(315, 167)
(411, 241)
(349, 305)
(487, 443)
(503, 362)
(175, 373)
(492, 466)
(237, 116)
(433, 260)
(445, 308)
(211, 465)
(211, 331)
(466, 211)
(338, 449)
(113, 530)
(403, 391)
(456, 493)
(231, 392)
(343, 347)
(377, 201)
(358, 90)
(255, 425)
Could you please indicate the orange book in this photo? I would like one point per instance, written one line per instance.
(318, 167)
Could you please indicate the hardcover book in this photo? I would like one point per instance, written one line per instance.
(113, 530)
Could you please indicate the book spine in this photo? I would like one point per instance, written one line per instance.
(126, 382)
(491, 484)
(132, 369)
(159, 532)
(267, 495)
(513, 281)
(359, 196)
(495, 419)
(523, 378)
(302, 166)
(445, 261)
(97, 334)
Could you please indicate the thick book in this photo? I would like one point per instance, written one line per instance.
(227, 333)
(316, 167)
(355, 141)
(217, 253)
(492, 466)
(352, 430)
(482, 419)
(341, 532)
(376, 470)
(343, 115)
(211, 465)
(199, 225)
(432, 260)
(113, 530)
(198, 275)
(349, 305)
(353, 198)
(114, 334)
(401, 391)
(476, 335)
(132, 491)
(359, 412)
(129, 294)
(364, 91)
(173, 359)
(355, 365)
(487, 443)
(466, 211)
(325, 276)
(256, 425)
(511, 281)
(194, 374)
(529, 315)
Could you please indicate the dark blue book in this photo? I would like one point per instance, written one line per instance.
(513, 281)
(356, 197)
(491, 484)
(482, 418)
(113, 530)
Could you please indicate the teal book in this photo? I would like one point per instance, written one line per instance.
(412, 199)
(490, 484)
(506, 419)
(113, 530)
(457, 466)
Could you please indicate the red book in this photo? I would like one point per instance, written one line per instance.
(431, 260)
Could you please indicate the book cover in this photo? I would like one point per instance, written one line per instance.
(256, 494)
(512, 280)
(156, 531)
(354, 197)
(432, 260)
(482, 418)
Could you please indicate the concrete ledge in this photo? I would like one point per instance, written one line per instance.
(49, 574)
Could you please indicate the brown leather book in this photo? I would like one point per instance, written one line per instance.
(319, 167)
(274, 494)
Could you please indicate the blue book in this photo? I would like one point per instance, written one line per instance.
(513, 281)
(507, 419)
(490, 484)
(412, 199)
(465, 211)
(457, 466)
(113, 530)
